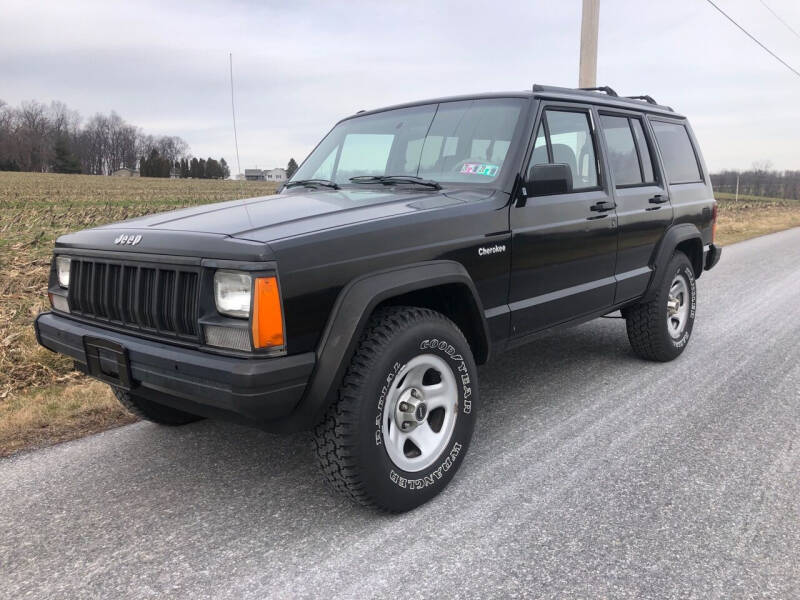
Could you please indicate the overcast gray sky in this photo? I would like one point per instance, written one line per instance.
(300, 66)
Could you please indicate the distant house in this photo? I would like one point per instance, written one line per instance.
(254, 175)
(278, 174)
(275, 174)
(125, 173)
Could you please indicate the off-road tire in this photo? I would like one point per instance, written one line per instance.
(152, 411)
(348, 441)
(647, 321)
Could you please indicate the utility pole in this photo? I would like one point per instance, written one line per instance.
(590, 21)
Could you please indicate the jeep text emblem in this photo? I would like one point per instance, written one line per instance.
(127, 239)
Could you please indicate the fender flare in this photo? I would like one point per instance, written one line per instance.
(674, 236)
(349, 317)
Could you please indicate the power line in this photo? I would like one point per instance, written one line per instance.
(752, 37)
(777, 16)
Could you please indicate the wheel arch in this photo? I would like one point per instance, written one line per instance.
(443, 285)
(685, 237)
(457, 302)
(693, 249)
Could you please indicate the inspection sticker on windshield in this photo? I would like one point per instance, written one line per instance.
(480, 169)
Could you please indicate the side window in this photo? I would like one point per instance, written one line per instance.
(680, 161)
(644, 151)
(622, 156)
(569, 137)
(628, 151)
(539, 156)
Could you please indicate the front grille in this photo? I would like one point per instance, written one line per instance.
(153, 298)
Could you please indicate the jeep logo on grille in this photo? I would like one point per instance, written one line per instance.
(127, 239)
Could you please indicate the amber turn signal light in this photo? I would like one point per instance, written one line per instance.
(267, 316)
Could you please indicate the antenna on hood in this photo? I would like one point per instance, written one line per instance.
(236, 136)
(233, 113)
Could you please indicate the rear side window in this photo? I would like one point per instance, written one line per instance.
(644, 150)
(680, 161)
(628, 152)
(622, 155)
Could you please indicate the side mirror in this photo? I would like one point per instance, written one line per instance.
(548, 179)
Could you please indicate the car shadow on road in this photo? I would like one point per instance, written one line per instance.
(248, 495)
(207, 458)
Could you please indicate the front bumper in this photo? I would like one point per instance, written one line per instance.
(711, 255)
(241, 389)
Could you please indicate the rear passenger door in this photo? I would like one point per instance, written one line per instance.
(642, 198)
(564, 245)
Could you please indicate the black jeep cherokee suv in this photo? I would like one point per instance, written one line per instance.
(413, 243)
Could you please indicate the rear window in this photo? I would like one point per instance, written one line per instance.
(680, 161)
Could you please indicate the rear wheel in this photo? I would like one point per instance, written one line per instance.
(405, 411)
(660, 329)
(152, 411)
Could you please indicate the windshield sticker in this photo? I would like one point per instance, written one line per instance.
(479, 169)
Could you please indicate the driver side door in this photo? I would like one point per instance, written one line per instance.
(564, 243)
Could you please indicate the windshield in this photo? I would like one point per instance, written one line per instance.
(450, 142)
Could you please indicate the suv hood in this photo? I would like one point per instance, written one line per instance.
(289, 214)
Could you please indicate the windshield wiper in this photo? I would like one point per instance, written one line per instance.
(314, 183)
(393, 179)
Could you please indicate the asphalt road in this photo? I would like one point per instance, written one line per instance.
(592, 474)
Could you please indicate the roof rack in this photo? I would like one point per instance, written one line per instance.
(604, 88)
(608, 90)
(645, 97)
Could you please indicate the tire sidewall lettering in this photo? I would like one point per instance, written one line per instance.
(461, 368)
(393, 373)
(687, 272)
(431, 478)
(434, 475)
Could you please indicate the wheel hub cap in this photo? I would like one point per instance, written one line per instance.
(411, 410)
(678, 306)
(673, 304)
(420, 412)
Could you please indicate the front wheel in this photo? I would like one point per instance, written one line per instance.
(660, 329)
(405, 411)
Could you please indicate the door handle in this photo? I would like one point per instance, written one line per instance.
(602, 206)
(658, 199)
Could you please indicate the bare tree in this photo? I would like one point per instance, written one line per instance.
(32, 135)
(63, 120)
(172, 148)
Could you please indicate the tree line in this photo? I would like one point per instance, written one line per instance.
(760, 180)
(54, 138)
(155, 165)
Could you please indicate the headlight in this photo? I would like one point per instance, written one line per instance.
(232, 292)
(62, 267)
